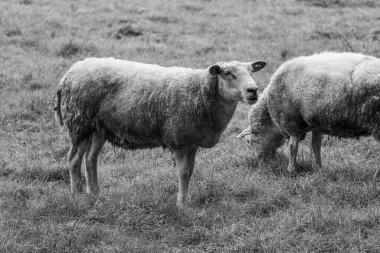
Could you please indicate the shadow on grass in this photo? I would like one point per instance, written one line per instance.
(18, 197)
(306, 168)
(5, 172)
(274, 163)
(211, 196)
(356, 196)
(246, 194)
(349, 174)
(192, 236)
(37, 174)
(212, 193)
(277, 165)
(265, 207)
(343, 190)
(254, 245)
(339, 3)
(61, 206)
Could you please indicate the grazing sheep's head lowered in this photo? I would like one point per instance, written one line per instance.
(264, 141)
(235, 80)
(262, 135)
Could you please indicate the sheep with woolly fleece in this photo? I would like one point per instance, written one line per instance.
(134, 106)
(337, 94)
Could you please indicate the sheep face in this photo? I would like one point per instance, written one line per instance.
(235, 80)
(264, 140)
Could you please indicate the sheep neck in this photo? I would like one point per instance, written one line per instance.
(219, 110)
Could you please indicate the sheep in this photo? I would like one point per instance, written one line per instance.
(136, 106)
(331, 93)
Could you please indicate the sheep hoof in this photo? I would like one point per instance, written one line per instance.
(291, 169)
(93, 192)
(317, 167)
(182, 206)
(77, 190)
(374, 179)
(182, 203)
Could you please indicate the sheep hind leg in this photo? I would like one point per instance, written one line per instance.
(376, 174)
(185, 160)
(316, 143)
(292, 153)
(75, 161)
(95, 145)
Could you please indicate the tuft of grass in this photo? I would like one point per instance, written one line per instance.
(341, 3)
(162, 19)
(191, 8)
(13, 32)
(211, 194)
(26, 2)
(267, 206)
(71, 49)
(374, 34)
(128, 31)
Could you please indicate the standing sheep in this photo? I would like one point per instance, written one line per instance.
(329, 93)
(134, 106)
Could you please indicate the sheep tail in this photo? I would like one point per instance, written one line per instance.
(57, 109)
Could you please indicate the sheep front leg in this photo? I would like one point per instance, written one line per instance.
(92, 153)
(75, 161)
(292, 152)
(316, 143)
(185, 159)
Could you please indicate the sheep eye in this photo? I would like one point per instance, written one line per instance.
(227, 73)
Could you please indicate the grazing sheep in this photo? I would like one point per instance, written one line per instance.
(329, 93)
(134, 106)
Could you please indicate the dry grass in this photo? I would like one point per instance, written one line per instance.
(238, 204)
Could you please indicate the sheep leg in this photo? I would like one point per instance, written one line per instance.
(376, 174)
(185, 159)
(316, 143)
(172, 156)
(376, 135)
(93, 150)
(292, 152)
(75, 161)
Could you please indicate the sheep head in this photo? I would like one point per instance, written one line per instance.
(262, 135)
(235, 80)
(264, 141)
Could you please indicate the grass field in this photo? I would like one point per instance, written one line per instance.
(238, 204)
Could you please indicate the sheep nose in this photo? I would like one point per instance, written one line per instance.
(251, 90)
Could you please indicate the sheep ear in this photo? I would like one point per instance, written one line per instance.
(215, 70)
(258, 65)
(245, 132)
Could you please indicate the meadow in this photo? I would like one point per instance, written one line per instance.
(238, 204)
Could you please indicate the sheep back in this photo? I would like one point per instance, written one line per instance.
(336, 93)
